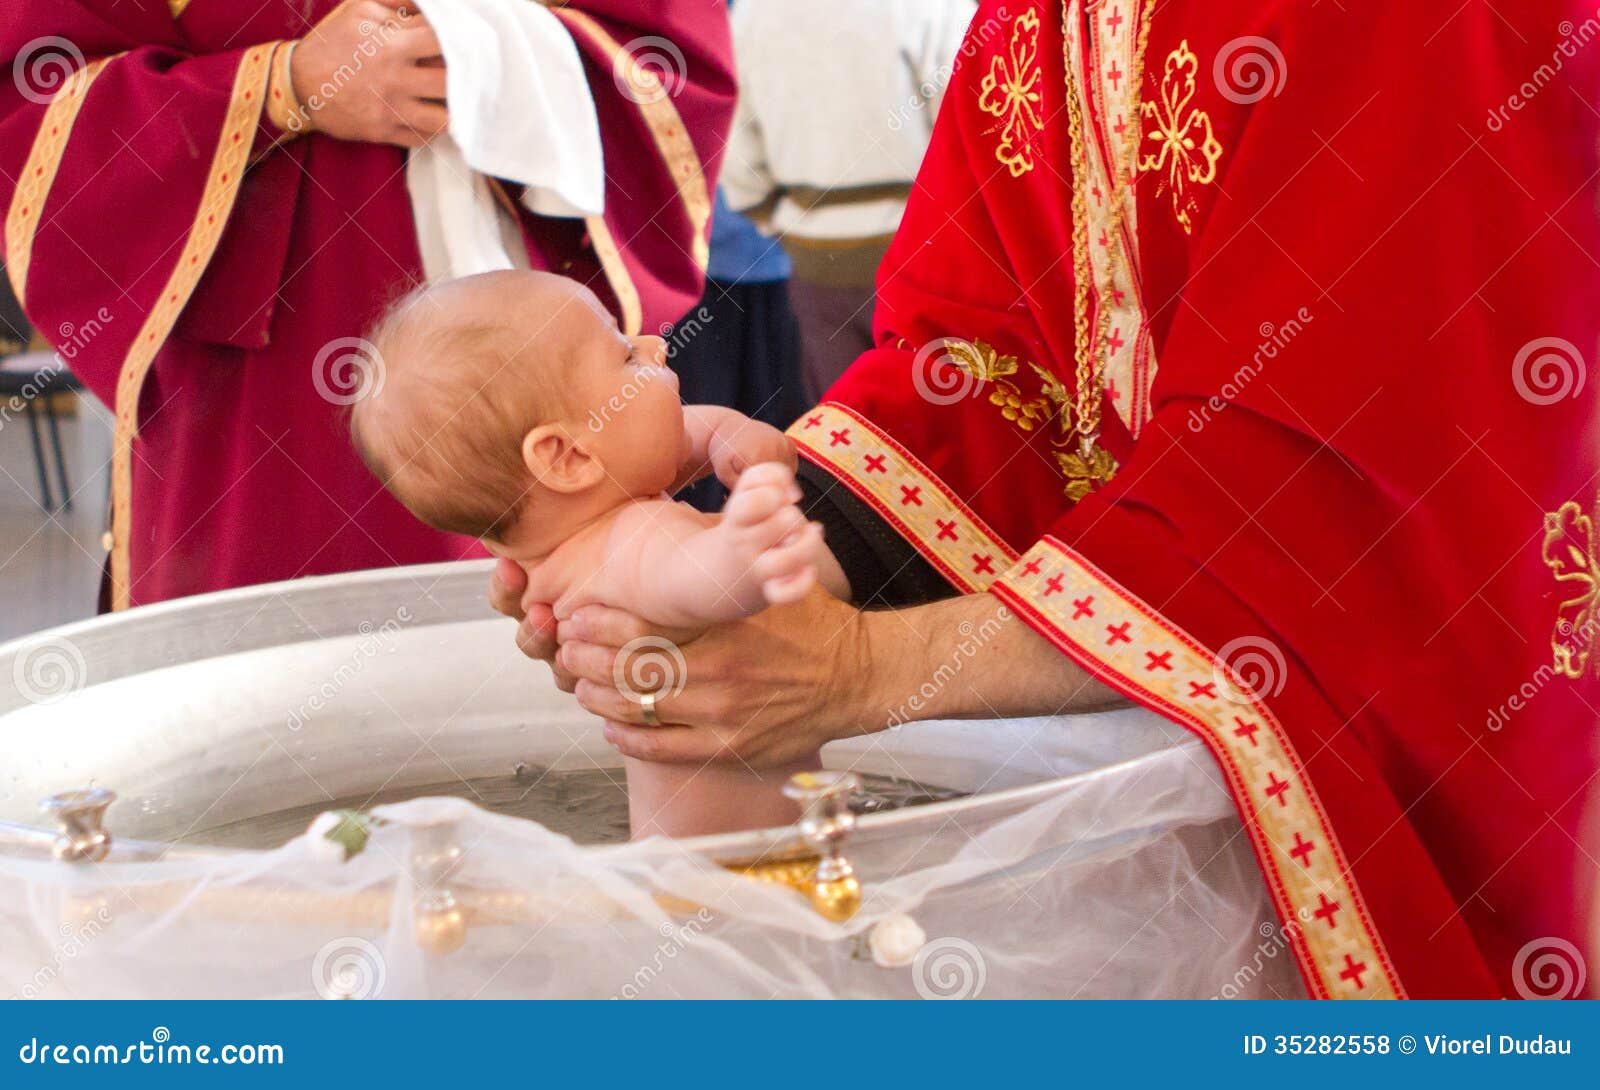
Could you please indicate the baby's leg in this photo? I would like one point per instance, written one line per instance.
(693, 800)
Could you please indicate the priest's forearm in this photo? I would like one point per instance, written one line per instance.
(964, 658)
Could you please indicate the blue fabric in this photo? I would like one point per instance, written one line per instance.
(740, 254)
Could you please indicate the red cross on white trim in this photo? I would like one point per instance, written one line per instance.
(1277, 788)
(1326, 910)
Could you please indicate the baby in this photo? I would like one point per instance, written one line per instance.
(512, 409)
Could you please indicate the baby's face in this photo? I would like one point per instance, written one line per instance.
(631, 417)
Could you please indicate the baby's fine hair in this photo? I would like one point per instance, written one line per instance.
(456, 389)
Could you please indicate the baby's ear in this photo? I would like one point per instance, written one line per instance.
(559, 462)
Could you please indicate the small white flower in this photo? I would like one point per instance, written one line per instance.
(324, 850)
(895, 940)
(335, 835)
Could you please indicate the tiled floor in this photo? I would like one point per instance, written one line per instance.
(49, 564)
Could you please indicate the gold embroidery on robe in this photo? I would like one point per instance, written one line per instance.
(1186, 148)
(1569, 551)
(1030, 412)
(1012, 90)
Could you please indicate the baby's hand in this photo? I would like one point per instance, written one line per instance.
(771, 533)
(739, 444)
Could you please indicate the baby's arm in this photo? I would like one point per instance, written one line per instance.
(728, 442)
(678, 569)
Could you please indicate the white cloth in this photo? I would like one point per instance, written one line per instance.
(521, 110)
(836, 94)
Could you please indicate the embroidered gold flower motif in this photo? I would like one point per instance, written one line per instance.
(981, 360)
(1086, 472)
(1012, 91)
(1570, 552)
(1186, 148)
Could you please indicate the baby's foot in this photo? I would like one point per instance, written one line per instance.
(770, 537)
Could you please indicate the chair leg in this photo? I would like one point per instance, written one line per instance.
(48, 499)
(61, 461)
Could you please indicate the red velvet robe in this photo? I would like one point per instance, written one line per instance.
(195, 267)
(1351, 542)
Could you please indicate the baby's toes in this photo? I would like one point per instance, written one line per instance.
(759, 494)
(790, 555)
(752, 506)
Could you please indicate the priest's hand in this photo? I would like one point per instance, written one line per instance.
(371, 70)
(536, 627)
(772, 688)
(763, 691)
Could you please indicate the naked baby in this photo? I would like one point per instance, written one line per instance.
(512, 409)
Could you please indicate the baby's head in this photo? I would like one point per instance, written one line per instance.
(509, 406)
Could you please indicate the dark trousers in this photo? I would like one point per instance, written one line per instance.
(739, 347)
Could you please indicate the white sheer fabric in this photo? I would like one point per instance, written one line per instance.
(1096, 856)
